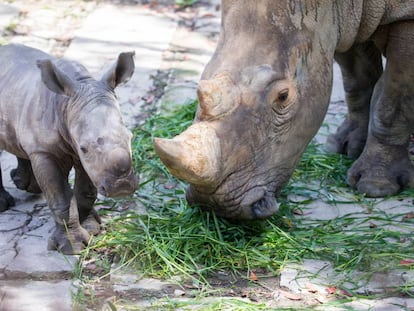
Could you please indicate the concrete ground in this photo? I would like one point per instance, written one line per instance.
(32, 278)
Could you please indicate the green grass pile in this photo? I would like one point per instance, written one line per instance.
(175, 239)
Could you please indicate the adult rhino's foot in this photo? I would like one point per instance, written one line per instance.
(6, 200)
(382, 172)
(24, 178)
(349, 139)
(92, 223)
(68, 241)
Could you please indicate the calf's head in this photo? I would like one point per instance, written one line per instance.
(94, 125)
(262, 98)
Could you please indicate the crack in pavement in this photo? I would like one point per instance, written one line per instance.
(36, 208)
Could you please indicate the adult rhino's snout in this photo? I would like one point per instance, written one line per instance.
(257, 203)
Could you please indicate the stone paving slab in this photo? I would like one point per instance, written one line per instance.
(111, 29)
(28, 295)
(24, 232)
(321, 275)
(7, 13)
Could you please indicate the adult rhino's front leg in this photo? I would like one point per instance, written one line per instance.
(23, 176)
(384, 167)
(68, 237)
(86, 194)
(361, 68)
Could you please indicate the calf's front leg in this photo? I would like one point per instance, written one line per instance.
(86, 193)
(68, 237)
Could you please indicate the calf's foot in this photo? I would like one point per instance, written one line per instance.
(384, 171)
(69, 241)
(92, 223)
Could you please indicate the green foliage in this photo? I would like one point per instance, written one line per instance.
(165, 126)
(174, 238)
(185, 2)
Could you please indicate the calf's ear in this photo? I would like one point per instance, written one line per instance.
(55, 79)
(121, 71)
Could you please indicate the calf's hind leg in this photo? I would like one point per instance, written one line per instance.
(23, 176)
(6, 200)
(384, 167)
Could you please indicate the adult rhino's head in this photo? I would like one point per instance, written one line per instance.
(262, 98)
(93, 124)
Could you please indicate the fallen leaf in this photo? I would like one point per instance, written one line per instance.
(170, 186)
(290, 296)
(346, 293)
(208, 14)
(298, 211)
(372, 225)
(150, 98)
(253, 277)
(409, 216)
(407, 262)
(311, 288)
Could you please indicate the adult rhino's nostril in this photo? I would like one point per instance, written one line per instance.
(258, 208)
(264, 208)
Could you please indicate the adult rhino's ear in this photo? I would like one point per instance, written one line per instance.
(55, 79)
(121, 71)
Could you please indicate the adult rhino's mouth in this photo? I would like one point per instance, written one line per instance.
(256, 204)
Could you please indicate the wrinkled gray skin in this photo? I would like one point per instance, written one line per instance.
(55, 116)
(265, 92)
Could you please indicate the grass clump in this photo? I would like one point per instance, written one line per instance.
(175, 239)
(184, 3)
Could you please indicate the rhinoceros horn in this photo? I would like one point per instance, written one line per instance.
(217, 96)
(193, 156)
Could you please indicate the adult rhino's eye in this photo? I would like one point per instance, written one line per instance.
(84, 149)
(283, 95)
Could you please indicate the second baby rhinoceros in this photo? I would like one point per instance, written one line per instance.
(55, 116)
(265, 93)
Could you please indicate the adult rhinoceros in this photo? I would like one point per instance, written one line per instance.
(266, 90)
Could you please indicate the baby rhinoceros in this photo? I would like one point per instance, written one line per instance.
(55, 116)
